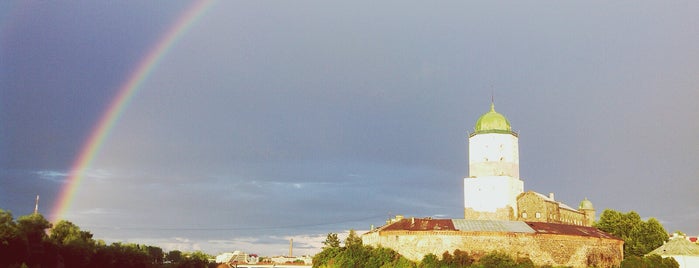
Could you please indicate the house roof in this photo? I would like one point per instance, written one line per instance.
(677, 246)
(424, 224)
(566, 229)
(463, 225)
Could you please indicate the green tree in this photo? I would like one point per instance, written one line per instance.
(12, 244)
(497, 259)
(195, 259)
(76, 246)
(353, 239)
(461, 258)
(155, 254)
(174, 256)
(326, 258)
(33, 228)
(640, 237)
(651, 261)
(429, 261)
(331, 241)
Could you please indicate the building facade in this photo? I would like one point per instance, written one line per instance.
(500, 215)
(493, 189)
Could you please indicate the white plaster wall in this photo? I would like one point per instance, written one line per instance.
(487, 194)
(685, 261)
(493, 154)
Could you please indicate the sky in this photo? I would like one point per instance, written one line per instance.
(266, 121)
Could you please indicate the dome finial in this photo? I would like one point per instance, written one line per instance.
(492, 99)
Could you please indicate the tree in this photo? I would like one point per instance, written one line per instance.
(33, 228)
(429, 261)
(12, 244)
(174, 256)
(331, 241)
(640, 237)
(654, 261)
(461, 258)
(353, 239)
(155, 254)
(76, 246)
(497, 260)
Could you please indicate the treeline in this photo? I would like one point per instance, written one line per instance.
(355, 254)
(640, 238)
(25, 243)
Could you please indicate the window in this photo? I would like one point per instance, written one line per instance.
(538, 215)
(524, 215)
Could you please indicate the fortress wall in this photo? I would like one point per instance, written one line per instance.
(542, 249)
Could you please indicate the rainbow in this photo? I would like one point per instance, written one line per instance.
(121, 100)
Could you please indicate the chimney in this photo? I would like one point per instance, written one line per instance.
(551, 196)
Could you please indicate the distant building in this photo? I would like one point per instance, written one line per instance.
(290, 259)
(681, 249)
(236, 257)
(500, 215)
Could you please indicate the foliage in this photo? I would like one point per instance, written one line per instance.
(354, 254)
(331, 241)
(652, 261)
(25, 243)
(429, 261)
(353, 239)
(497, 260)
(640, 237)
(174, 256)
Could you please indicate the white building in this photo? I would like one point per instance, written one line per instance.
(493, 184)
(682, 250)
(236, 257)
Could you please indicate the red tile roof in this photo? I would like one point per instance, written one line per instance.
(414, 224)
(428, 224)
(565, 229)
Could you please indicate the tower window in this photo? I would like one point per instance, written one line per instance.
(524, 215)
(538, 215)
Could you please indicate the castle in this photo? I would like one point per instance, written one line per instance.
(500, 215)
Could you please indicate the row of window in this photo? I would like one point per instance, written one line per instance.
(552, 216)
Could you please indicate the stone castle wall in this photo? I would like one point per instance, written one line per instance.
(532, 207)
(542, 249)
(502, 214)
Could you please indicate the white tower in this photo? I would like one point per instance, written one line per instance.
(493, 184)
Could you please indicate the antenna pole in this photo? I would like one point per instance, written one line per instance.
(291, 247)
(36, 205)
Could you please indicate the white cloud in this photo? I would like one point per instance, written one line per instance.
(52, 175)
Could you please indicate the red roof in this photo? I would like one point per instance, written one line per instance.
(565, 229)
(429, 224)
(414, 224)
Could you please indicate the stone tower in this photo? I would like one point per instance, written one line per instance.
(589, 211)
(491, 189)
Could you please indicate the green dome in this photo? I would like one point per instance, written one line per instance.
(586, 204)
(493, 122)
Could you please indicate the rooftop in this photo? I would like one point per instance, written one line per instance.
(677, 246)
(463, 225)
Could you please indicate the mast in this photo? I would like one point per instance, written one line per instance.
(36, 205)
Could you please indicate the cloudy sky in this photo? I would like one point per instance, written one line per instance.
(289, 119)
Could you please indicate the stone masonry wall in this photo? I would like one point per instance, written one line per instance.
(542, 249)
